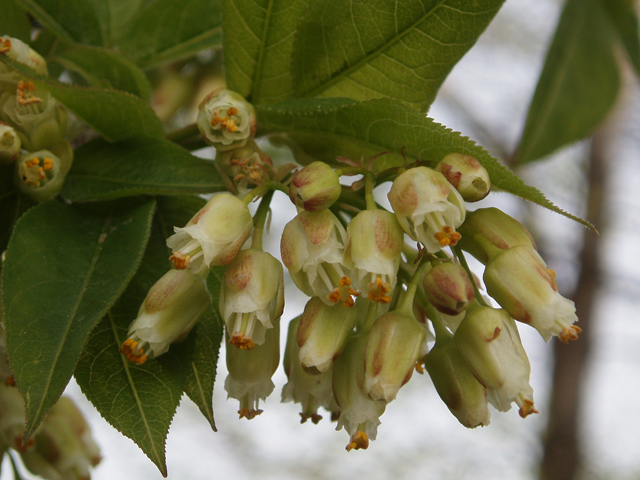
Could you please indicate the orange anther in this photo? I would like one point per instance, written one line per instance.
(239, 340)
(231, 126)
(527, 409)
(345, 282)
(48, 163)
(232, 112)
(359, 440)
(5, 46)
(447, 237)
(569, 333)
(180, 261)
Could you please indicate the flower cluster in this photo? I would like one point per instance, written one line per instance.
(375, 300)
(32, 126)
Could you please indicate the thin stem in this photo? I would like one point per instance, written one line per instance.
(372, 316)
(463, 261)
(436, 321)
(263, 189)
(406, 303)
(368, 192)
(260, 219)
(351, 171)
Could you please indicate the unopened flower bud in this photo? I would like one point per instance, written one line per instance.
(487, 232)
(251, 297)
(520, 281)
(173, 306)
(21, 52)
(488, 340)
(214, 236)
(467, 175)
(60, 451)
(41, 174)
(359, 415)
(9, 144)
(373, 253)
(310, 391)
(37, 117)
(312, 249)
(393, 348)
(428, 207)
(226, 120)
(322, 334)
(250, 372)
(315, 187)
(458, 388)
(448, 288)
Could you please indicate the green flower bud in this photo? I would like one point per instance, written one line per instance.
(392, 351)
(520, 281)
(37, 117)
(487, 232)
(448, 288)
(467, 175)
(488, 340)
(214, 236)
(173, 306)
(310, 391)
(251, 297)
(315, 187)
(250, 372)
(373, 253)
(427, 207)
(41, 174)
(9, 144)
(359, 415)
(322, 334)
(226, 120)
(312, 248)
(458, 388)
(21, 52)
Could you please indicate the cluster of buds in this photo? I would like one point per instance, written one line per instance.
(32, 126)
(374, 299)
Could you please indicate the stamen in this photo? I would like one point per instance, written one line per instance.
(180, 261)
(249, 414)
(48, 163)
(215, 120)
(420, 366)
(5, 46)
(569, 333)
(378, 291)
(527, 408)
(359, 440)
(315, 418)
(231, 126)
(239, 340)
(25, 99)
(133, 351)
(232, 112)
(447, 237)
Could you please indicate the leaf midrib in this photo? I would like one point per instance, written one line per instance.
(33, 418)
(367, 58)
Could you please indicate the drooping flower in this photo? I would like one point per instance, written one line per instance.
(488, 340)
(448, 288)
(41, 174)
(310, 391)
(375, 241)
(173, 306)
(359, 414)
(250, 372)
(428, 207)
(9, 144)
(214, 236)
(316, 187)
(520, 281)
(312, 249)
(21, 52)
(251, 297)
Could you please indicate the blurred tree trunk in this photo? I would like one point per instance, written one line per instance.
(562, 450)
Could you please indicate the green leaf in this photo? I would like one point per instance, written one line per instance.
(384, 48)
(93, 22)
(578, 85)
(113, 114)
(104, 68)
(326, 128)
(13, 203)
(166, 30)
(64, 267)
(258, 43)
(14, 22)
(624, 15)
(209, 333)
(142, 166)
(139, 401)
